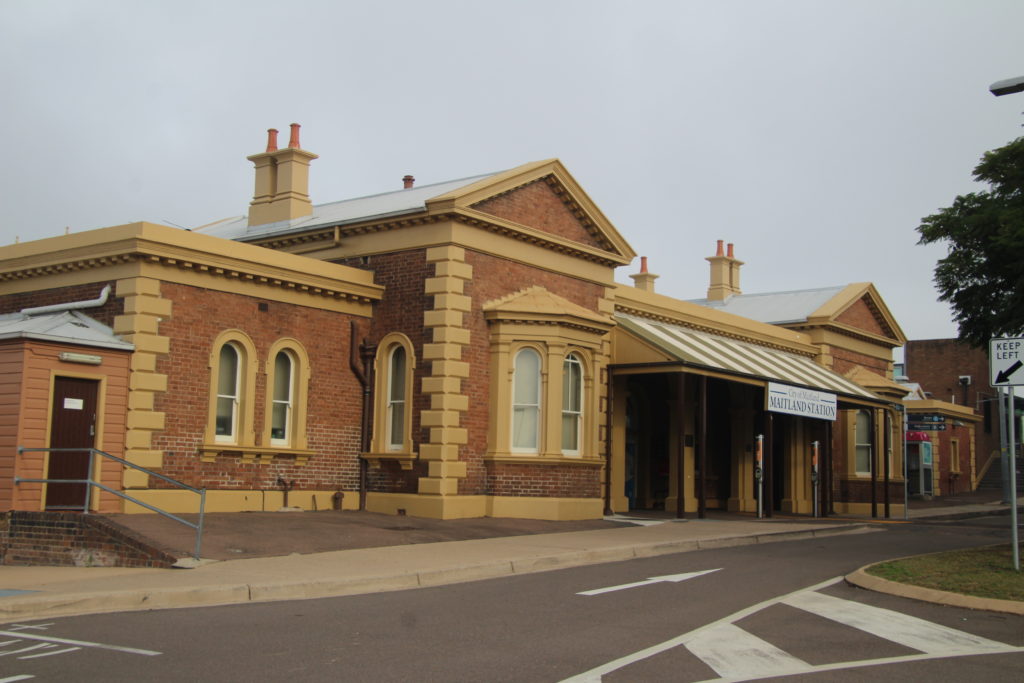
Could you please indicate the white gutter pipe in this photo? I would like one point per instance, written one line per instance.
(71, 305)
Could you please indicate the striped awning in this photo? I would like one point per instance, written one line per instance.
(710, 351)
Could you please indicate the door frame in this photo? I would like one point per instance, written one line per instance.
(97, 442)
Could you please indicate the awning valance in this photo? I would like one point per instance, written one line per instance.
(711, 351)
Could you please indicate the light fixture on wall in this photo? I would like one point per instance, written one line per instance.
(86, 358)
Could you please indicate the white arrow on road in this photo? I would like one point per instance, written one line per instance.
(674, 578)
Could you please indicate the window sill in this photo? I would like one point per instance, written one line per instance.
(262, 454)
(404, 460)
(531, 459)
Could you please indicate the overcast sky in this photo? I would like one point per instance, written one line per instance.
(814, 135)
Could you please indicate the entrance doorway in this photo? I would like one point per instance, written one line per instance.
(72, 425)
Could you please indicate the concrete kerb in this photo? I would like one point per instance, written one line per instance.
(368, 579)
(862, 579)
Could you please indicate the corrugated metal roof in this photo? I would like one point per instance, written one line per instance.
(64, 327)
(720, 353)
(777, 308)
(354, 210)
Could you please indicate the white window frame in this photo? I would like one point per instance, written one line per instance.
(521, 409)
(570, 393)
(865, 445)
(395, 402)
(235, 397)
(288, 402)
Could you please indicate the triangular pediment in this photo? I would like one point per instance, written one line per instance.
(536, 304)
(540, 200)
(859, 307)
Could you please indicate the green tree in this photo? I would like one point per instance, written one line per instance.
(982, 275)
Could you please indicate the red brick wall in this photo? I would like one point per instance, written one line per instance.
(494, 278)
(334, 399)
(537, 206)
(565, 481)
(937, 364)
(845, 360)
(401, 309)
(70, 539)
(12, 303)
(860, 315)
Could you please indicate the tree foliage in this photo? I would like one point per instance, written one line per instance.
(982, 275)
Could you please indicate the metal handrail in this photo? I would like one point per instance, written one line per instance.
(93, 452)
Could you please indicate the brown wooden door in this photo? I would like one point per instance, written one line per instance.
(73, 425)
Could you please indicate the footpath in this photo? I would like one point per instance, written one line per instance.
(28, 593)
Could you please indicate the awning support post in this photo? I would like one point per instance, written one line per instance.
(702, 444)
(681, 438)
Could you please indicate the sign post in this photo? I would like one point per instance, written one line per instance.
(1006, 369)
(759, 475)
(814, 473)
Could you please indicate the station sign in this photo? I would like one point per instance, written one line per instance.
(927, 426)
(1006, 362)
(782, 398)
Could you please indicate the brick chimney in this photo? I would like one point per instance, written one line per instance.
(644, 280)
(725, 274)
(282, 181)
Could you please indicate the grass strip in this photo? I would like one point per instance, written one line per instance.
(982, 572)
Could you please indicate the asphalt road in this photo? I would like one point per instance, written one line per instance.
(750, 618)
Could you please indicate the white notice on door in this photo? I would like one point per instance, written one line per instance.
(74, 404)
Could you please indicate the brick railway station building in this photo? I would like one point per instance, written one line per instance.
(460, 349)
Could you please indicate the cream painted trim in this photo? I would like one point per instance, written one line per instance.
(507, 340)
(245, 435)
(190, 251)
(427, 235)
(244, 500)
(463, 507)
(574, 196)
(301, 370)
(852, 293)
(526, 459)
(144, 310)
(957, 410)
(666, 309)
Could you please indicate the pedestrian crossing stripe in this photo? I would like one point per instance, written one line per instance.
(737, 655)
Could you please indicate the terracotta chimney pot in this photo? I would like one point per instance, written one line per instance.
(730, 251)
(720, 251)
(407, 182)
(293, 141)
(272, 139)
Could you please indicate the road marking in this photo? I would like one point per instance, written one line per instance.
(12, 679)
(673, 578)
(753, 659)
(735, 653)
(50, 654)
(596, 673)
(27, 649)
(900, 628)
(82, 643)
(22, 627)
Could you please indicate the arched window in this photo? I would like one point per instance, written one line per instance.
(283, 399)
(392, 424)
(572, 404)
(526, 386)
(229, 393)
(863, 441)
(397, 363)
(288, 375)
